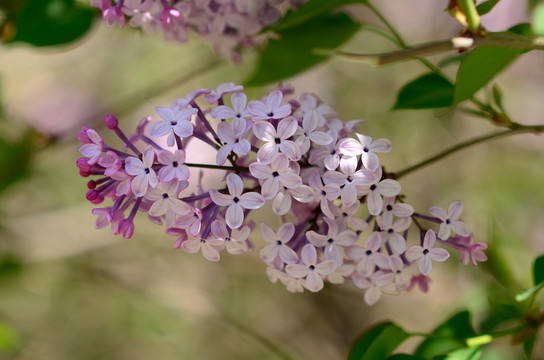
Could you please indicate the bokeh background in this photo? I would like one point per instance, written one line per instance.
(68, 291)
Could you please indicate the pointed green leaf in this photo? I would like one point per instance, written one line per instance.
(529, 345)
(497, 96)
(311, 9)
(293, 53)
(479, 67)
(52, 22)
(527, 293)
(538, 270)
(450, 336)
(486, 6)
(426, 92)
(378, 342)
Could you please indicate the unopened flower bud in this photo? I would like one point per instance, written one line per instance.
(111, 122)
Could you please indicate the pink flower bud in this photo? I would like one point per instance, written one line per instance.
(91, 184)
(126, 228)
(111, 122)
(83, 137)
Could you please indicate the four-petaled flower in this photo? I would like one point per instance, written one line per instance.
(144, 175)
(270, 109)
(332, 241)
(174, 122)
(273, 175)
(277, 244)
(449, 220)
(234, 139)
(311, 269)
(366, 148)
(426, 253)
(173, 165)
(276, 140)
(236, 201)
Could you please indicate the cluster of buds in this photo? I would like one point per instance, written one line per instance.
(228, 25)
(341, 215)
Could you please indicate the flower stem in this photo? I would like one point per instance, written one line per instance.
(218, 167)
(515, 129)
(472, 16)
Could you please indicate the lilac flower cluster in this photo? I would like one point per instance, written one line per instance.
(228, 25)
(342, 216)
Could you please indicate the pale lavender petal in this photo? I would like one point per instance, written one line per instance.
(139, 185)
(314, 283)
(350, 147)
(286, 232)
(282, 203)
(333, 191)
(389, 187)
(380, 145)
(326, 267)
(320, 138)
(346, 238)
(251, 200)
(381, 260)
(308, 254)
(310, 121)
(439, 213)
(303, 193)
(374, 241)
(455, 209)
(290, 180)
(258, 110)
(332, 253)
(425, 265)
(219, 229)
(273, 99)
(266, 152)
(222, 112)
(158, 208)
(288, 255)
(264, 131)
(397, 243)
(297, 270)
(332, 162)
(316, 239)
(429, 240)
(183, 129)
(349, 194)
(222, 154)
(268, 234)
(459, 227)
(385, 279)
(287, 127)
(239, 101)
(210, 253)
(191, 246)
(414, 252)
(234, 216)
(242, 147)
(260, 171)
(364, 177)
(370, 160)
(374, 203)
(235, 184)
(291, 149)
(403, 210)
(438, 254)
(269, 253)
(361, 281)
(219, 198)
(225, 132)
(334, 177)
(270, 188)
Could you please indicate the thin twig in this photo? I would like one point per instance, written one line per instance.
(518, 129)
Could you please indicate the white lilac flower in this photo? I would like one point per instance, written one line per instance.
(277, 140)
(270, 109)
(391, 234)
(402, 275)
(144, 175)
(143, 13)
(234, 139)
(449, 220)
(309, 105)
(165, 201)
(238, 110)
(311, 269)
(222, 90)
(392, 208)
(340, 273)
(307, 132)
(236, 201)
(324, 193)
(426, 253)
(349, 178)
(208, 247)
(191, 221)
(273, 175)
(93, 148)
(332, 241)
(366, 148)
(374, 193)
(173, 123)
(235, 242)
(347, 216)
(111, 162)
(328, 155)
(374, 285)
(368, 257)
(277, 244)
(282, 201)
(173, 165)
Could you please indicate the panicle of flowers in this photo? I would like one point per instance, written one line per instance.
(228, 25)
(342, 216)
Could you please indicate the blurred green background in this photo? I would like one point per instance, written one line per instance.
(68, 291)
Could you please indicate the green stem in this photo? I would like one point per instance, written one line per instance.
(517, 129)
(473, 18)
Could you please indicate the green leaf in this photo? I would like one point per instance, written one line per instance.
(527, 293)
(293, 52)
(450, 336)
(404, 357)
(486, 6)
(462, 354)
(479, 67)
(529, 345)
(10, 340)
(538, 270)
(538, 20)
(497, 96)
(452, 60)
(311, 9)
(51, 22)
(426, 92)
(378, 342)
